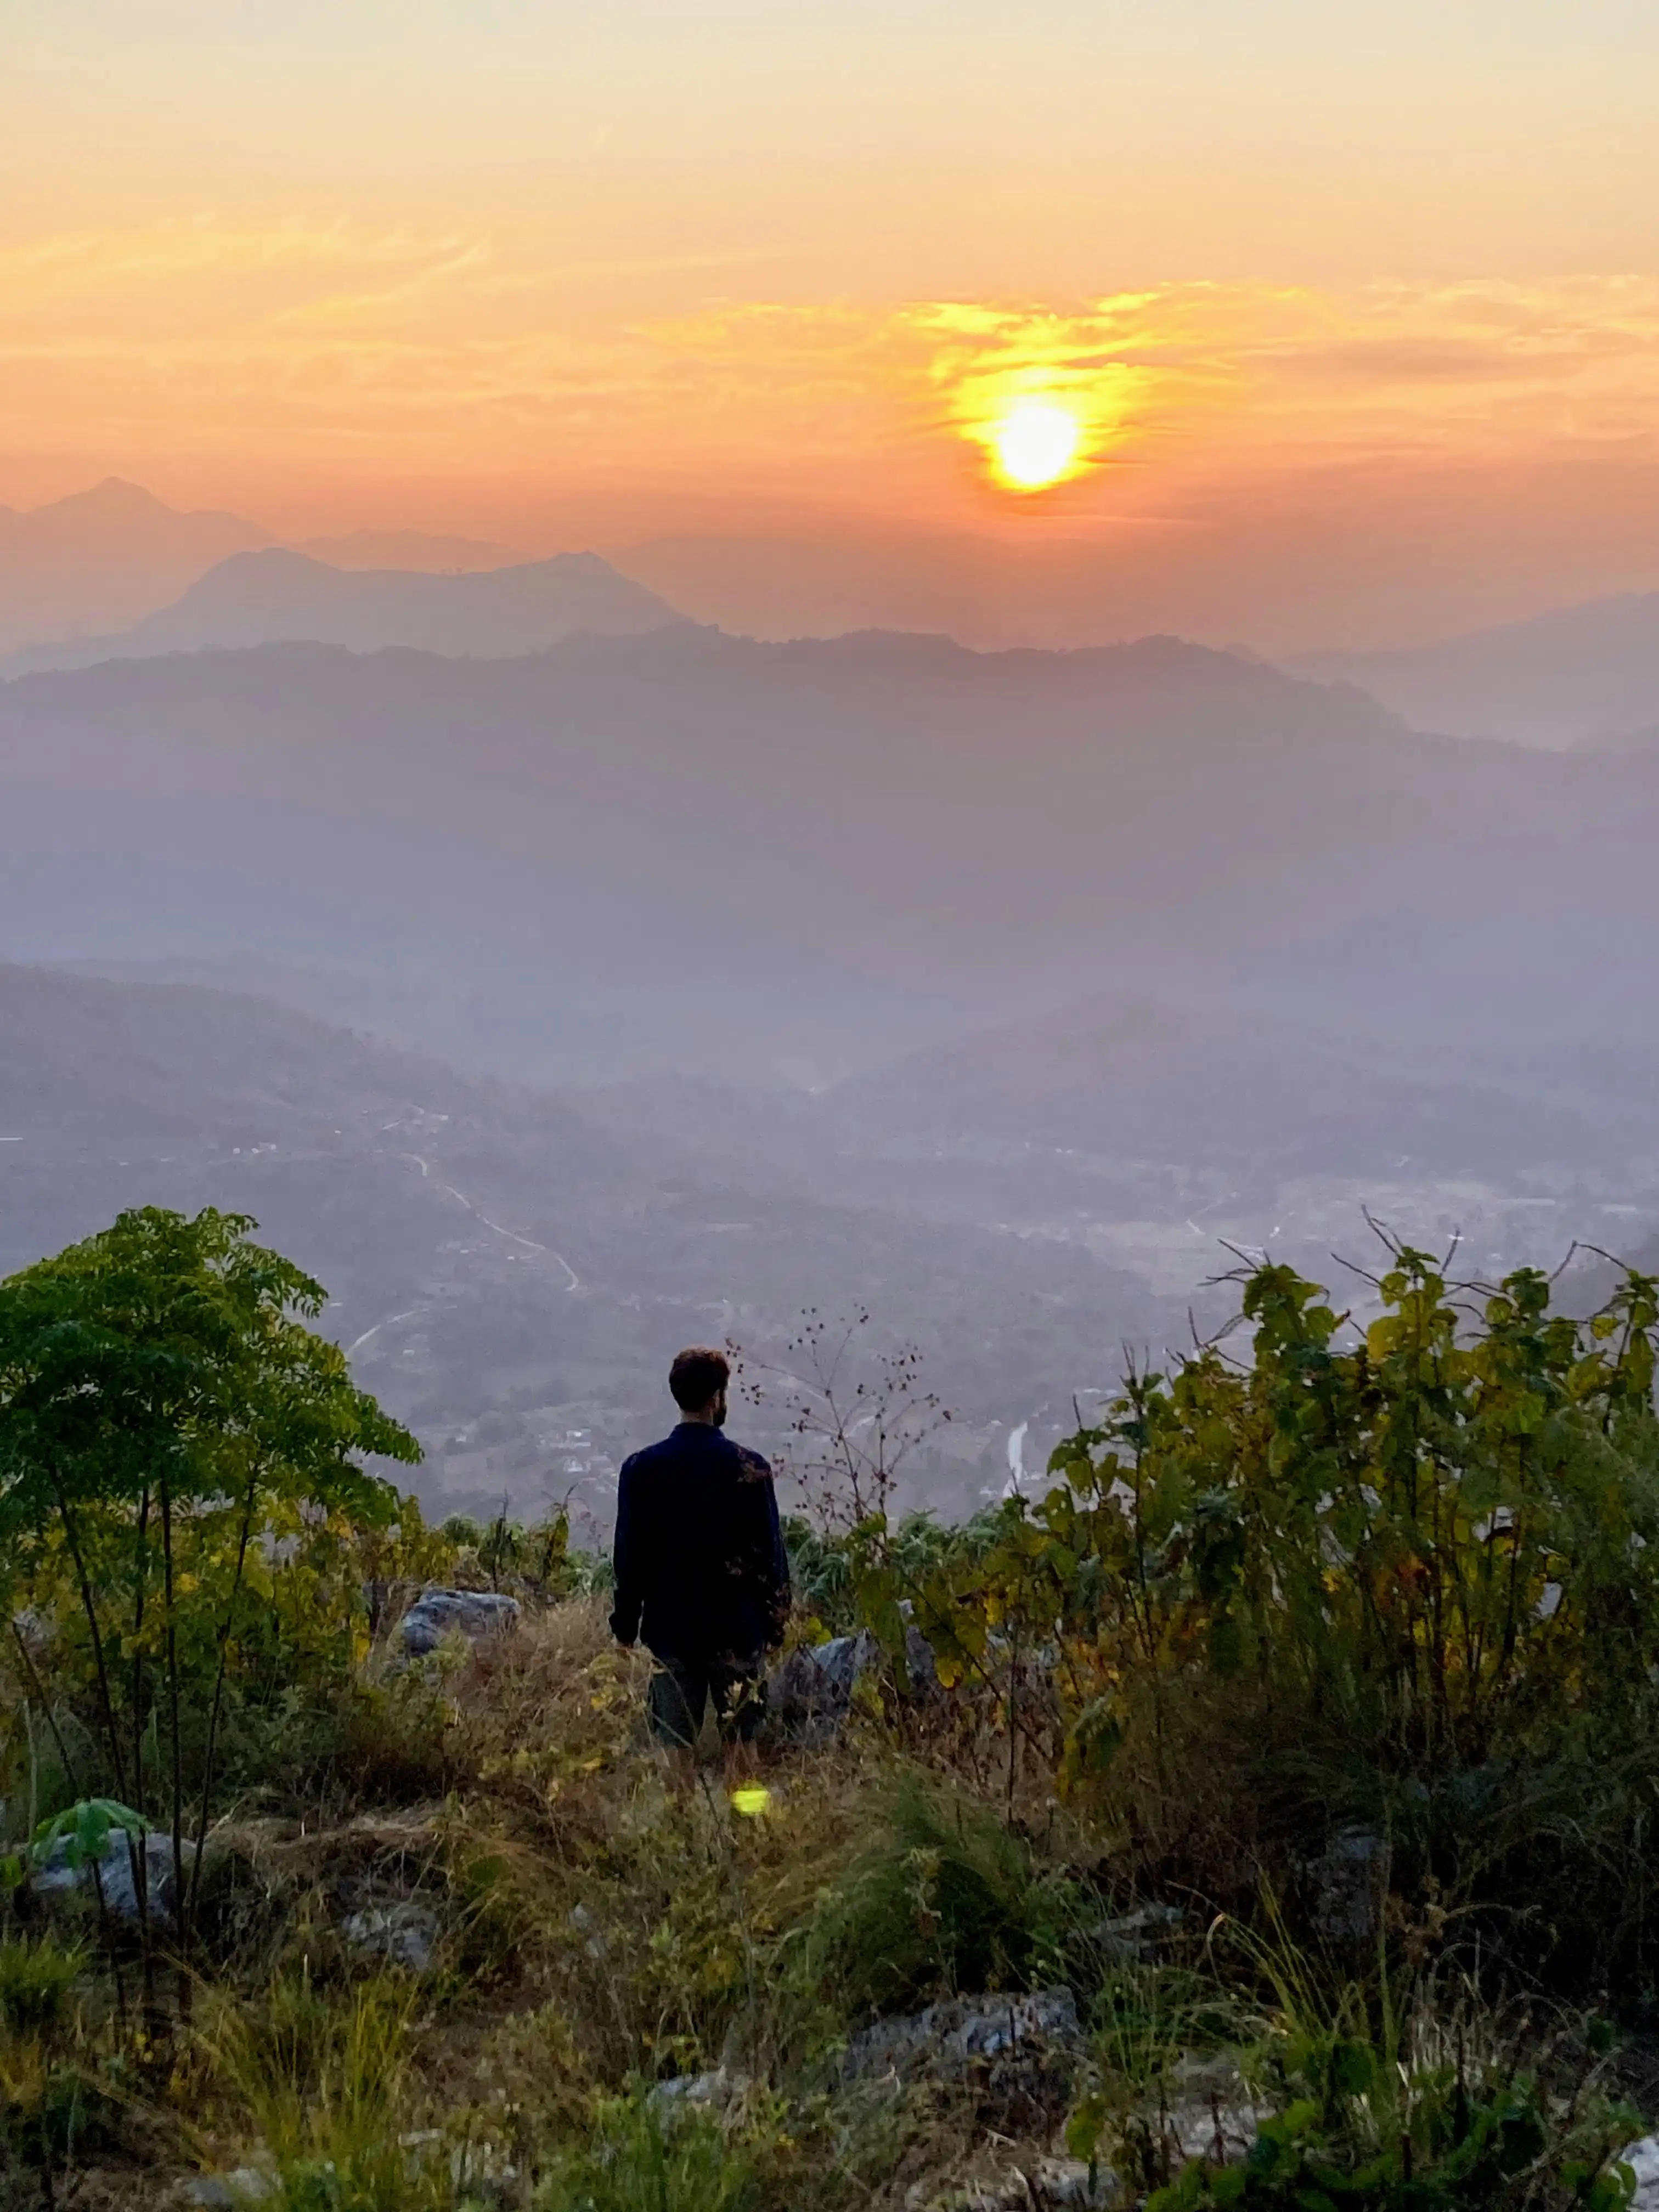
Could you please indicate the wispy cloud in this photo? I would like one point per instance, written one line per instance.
(1494, 371)
(483, 352)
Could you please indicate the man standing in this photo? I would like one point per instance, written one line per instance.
(701, 1574)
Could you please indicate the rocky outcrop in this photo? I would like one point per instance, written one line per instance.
(948, 2038)
(1206, 2110)
(1346, 1885)
(1642, 2160)
(475, 1614)
(405, 1933)
(809, 1694)
(1132, 1938)
(1017, 2057)
(688, 2092)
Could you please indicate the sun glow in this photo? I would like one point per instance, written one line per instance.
(1035, 443)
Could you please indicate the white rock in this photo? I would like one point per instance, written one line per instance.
(1132, 1938)
(227, 2192)
(687, 2091)
(948, 2037)
(1643, 2158)
(1070, 2181)
(57, 1878)
(1209, 2111)
(1349, 1880)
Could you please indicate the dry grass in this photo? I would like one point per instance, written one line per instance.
(598, 1930)
(656, 1923)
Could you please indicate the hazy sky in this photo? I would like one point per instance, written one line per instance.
(617, 270)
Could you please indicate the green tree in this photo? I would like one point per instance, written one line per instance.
(167, 1421)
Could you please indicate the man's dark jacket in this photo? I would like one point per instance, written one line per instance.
(701, 1573)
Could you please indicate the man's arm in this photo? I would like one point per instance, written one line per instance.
(625, 1559)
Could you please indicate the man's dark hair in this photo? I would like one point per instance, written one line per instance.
(697, 1375)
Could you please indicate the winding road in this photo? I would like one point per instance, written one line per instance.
(573, 1281)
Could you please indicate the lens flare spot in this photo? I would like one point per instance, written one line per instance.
(1037, 442)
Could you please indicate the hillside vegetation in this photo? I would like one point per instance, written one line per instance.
(1265, 1804)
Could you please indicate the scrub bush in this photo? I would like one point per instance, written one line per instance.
(943, 1899)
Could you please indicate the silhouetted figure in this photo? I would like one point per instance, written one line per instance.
(701, 1574)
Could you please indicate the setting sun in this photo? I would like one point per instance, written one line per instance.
(1035, 444)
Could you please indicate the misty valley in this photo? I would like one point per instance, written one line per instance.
(561, 981)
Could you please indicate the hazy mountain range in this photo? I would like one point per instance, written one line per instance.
(1577, 676)
(735, 855)
(275, 594)
(101, 559)
(94, 564)
(90, 569)
(1126, 1076)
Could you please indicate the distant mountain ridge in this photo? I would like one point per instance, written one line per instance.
(1575, 676)
(821, 830)
(276, 596)
(852, 844)
(103, 558)
(101, 1064)
(1124, 1073)
(433, 552)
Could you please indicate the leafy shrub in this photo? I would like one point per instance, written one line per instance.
(1375, 2130)
(1418, 2097)
(1408, 1575)
(820, 1574)
(1438, 1544)
(533, 1559)
(1434, 1543)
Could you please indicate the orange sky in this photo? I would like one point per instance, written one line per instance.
(1335, 292)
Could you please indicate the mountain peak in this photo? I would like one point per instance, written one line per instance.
(272, 594)
(115, 495)
(101, 559)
